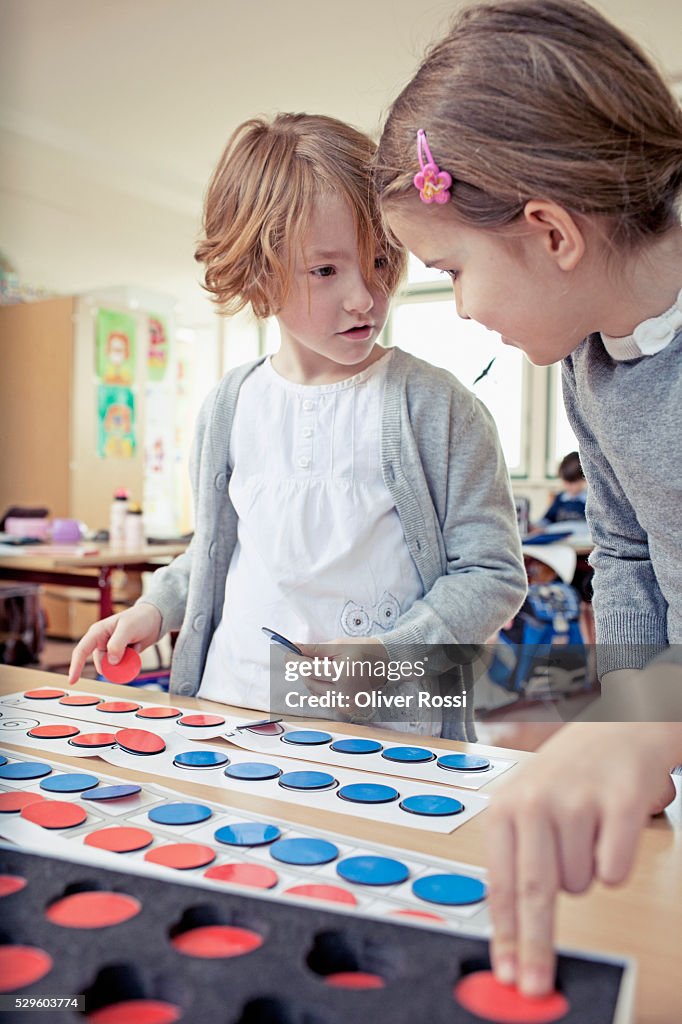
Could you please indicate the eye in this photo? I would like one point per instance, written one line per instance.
(323, 271)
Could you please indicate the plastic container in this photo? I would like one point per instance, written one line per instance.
(66, 531)
(36, 529)
(117, 519)
(134, 528)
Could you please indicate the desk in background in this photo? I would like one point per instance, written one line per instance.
(92, 569)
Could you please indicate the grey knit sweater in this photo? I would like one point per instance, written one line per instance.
(442, 463)
(625, 409)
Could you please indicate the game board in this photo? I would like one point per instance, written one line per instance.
(346, 791)
(139, 810)
(421, 765)
(166, 950)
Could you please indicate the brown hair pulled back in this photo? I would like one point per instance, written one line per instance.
(541, 99)
(261, 197)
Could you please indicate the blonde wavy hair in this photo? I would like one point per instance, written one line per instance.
(260, 200)
(541, 99)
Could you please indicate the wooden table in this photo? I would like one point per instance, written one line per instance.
(90, 569)
(642, 919)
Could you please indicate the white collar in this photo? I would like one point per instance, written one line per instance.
(649, 337)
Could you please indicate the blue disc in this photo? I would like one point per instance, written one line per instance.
(247, 833)
(431, 806)
(449, 890)
(200, 759)
(368, 793)
(304, 851)
(356, 746)
(112, 792)
(306, 737)
(24, 770)
(3, 759)
(307, 780)
(372, 870)
(253, 771)
(463, 762)
(410, 755)
(70, 783)
(179, 814)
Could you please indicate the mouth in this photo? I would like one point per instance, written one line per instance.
(361, 332)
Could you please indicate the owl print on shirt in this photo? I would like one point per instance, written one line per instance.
(360, 620)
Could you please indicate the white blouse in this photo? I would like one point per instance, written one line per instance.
(320, 552)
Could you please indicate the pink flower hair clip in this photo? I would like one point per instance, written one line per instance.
(432, 183)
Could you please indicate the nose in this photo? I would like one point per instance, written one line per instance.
(359, 298)
(458, 304)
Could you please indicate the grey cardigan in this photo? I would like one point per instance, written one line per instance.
(443, 465)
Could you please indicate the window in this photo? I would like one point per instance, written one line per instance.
(561, 438)
(432, 331)
(424, 321)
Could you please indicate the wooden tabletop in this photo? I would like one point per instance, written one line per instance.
(85, 556)
(642, 919)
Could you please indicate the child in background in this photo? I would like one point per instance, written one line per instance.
(343, 491)
(568, 507)
(536, 158)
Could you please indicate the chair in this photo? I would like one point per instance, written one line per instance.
(545, 639)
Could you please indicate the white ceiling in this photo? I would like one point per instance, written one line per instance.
(113, 112)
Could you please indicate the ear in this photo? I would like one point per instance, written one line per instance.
(559, 232)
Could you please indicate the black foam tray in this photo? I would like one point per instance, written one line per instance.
(282, 982)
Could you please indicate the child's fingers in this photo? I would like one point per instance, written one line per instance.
(576, 826)
(319, 686)
(502, 894)
(538, 885)
(82, 651)
(621, 826)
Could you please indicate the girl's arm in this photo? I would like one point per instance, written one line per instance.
(629, 608)
(545, 836)
(484, 582)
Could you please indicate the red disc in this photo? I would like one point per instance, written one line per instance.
(94, 739)
(419, 913)
(267, 729)
(54, 814)
(10, 884)
(253, 875)
(11, 802)
(136, 1011)
(44, 694)
(139, 741)
(119, 839)
(93, 909)
(333, 893)
(80, 700)
(217, 940)
(126, 670)
(21, 966)
(181, 855)
(484, 996)
(53, 732)
(355, 979)
(117, 707)
(201, 721)
(159, 712)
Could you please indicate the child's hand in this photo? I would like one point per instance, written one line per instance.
(136, 627)
(341, 654)
(570, 816)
